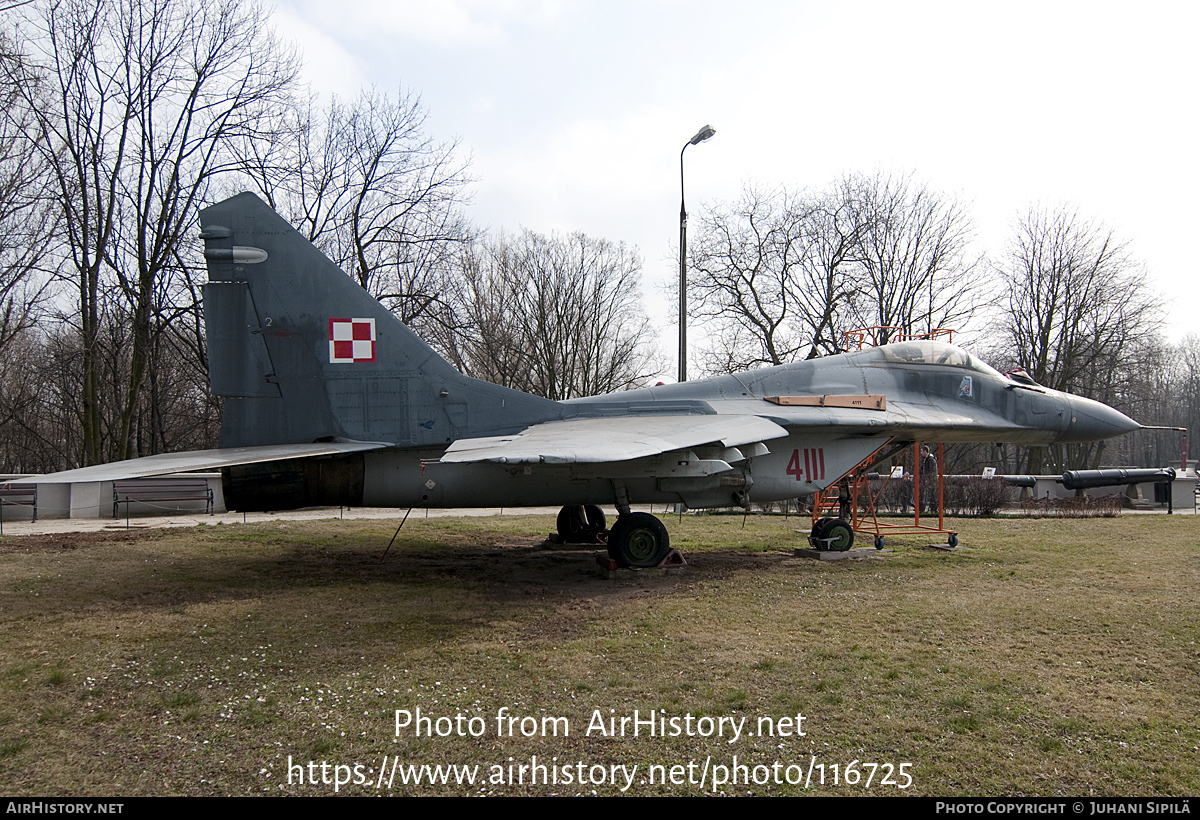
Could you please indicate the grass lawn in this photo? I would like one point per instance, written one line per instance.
(1046, 657)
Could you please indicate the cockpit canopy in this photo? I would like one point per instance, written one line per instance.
(926, 352)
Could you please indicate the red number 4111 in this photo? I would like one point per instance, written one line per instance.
(813, 468)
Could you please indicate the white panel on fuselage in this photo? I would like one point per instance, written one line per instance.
(620, 438)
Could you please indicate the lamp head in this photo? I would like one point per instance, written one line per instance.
(703, 134)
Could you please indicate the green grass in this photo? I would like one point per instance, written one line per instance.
(1047, 657)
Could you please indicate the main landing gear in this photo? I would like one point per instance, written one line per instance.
(580, 525)
(637, 539)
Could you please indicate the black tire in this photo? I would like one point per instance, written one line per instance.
(596, 522)
(879, 542)
(638, 540)
(952, 540)
(818, 532)
(580, 525)
(841, 533)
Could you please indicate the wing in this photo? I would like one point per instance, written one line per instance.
(203, 460)
(613, 439)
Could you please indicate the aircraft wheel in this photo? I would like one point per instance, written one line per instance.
(953, 539)
(638, 540)
(580, 525)
(879, 542)
(818, 532)
(596, 522)
(841, 533)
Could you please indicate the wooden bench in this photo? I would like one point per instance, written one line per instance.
(18, 495)
(161, 489)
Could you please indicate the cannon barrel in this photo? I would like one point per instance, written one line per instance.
(1011, 480)
(1082, 479)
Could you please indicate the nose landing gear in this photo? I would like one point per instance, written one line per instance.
(833, 534)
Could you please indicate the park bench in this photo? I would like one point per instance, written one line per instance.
(18, 495)
(150, 490)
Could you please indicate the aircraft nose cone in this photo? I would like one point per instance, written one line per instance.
(1093, 421)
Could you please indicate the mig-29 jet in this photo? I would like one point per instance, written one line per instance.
(331, 400)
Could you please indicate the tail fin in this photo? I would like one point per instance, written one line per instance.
(302, 353)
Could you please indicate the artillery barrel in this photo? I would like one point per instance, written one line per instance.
(1082, 479)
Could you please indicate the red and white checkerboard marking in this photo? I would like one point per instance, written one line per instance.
(351, 340)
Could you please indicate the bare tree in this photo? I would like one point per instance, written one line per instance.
(40, 373)
(1186, 388)
(32, 437)
(136, 102)
(367, 185)
(772, 273)
(1157, 394)
(783, 275)
(558, 316)
(912, 267)
(1077, 316)
(27, 217)
(1183, 396)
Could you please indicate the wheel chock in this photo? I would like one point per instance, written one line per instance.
(674, 559)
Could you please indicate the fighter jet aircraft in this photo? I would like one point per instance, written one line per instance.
(331, 400)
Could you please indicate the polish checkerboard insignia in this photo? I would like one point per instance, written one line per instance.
(351, 341)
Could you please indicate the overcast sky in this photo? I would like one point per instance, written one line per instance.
(573, 113)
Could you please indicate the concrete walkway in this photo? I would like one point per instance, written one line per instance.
(57, 525)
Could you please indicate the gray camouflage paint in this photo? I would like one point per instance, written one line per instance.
(269, 303)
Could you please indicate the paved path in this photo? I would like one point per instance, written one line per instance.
(55, 525)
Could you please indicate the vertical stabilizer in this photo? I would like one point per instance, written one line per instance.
(302, 353)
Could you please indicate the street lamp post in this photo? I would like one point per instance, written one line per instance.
(703, 134)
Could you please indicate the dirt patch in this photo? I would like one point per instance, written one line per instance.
(65, 541)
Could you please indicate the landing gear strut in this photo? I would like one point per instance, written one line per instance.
(580, 525)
